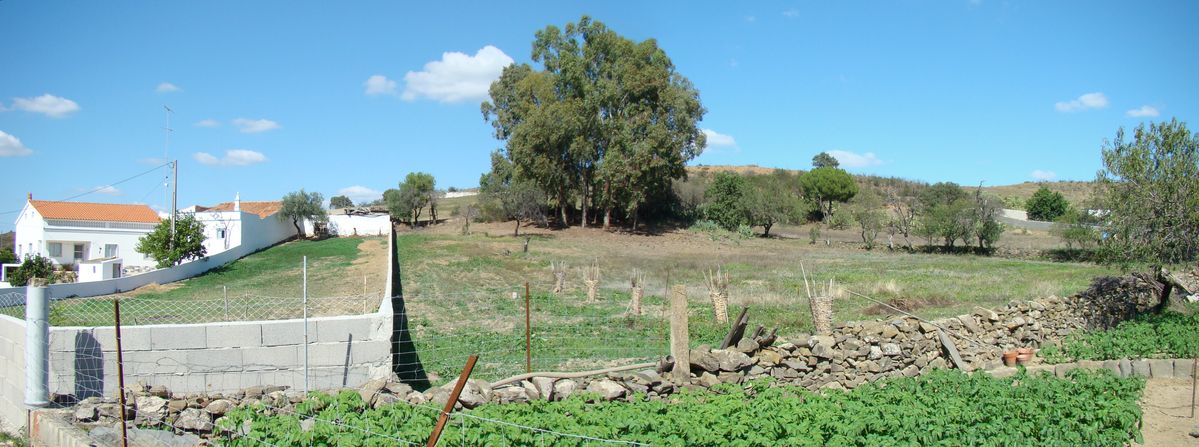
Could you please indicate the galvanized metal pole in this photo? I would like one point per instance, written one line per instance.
(37, 347)
(225, 294)
(305, 325)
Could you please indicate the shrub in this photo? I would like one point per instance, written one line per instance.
(36, 266)
(1046, 205)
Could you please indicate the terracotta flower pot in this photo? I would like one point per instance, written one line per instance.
(1009, 358)
(1024, 350)
(1024, 359)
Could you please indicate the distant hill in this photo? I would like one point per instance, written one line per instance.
(1074, 191)
(8, 240)
(746, 169)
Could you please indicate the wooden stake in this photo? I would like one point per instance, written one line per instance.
(116, 316)
(679, 343)
(449, 404)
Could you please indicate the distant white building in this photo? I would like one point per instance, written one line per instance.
(73, 232)
(230, 224)
(360, 221)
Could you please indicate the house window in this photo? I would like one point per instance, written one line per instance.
(110, 250)
(220, 233)
(56, 249)
(80, 254)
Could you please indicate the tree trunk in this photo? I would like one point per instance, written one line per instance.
(299, 230)
(607, 217)
(516, 231)
(562, 213)
(766, 229)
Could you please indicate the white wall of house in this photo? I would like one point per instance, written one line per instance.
(69, 242)
(344, 225)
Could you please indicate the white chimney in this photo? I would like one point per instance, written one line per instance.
(237, 202)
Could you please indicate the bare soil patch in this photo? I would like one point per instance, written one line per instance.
(1167, 413)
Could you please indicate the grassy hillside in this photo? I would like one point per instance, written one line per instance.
(1074, 191)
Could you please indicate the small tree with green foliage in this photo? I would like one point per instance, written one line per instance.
(340, 202)
(167, 251)
(299, 206)
(1149, 188)
(824, 160)
(828, 186)
(768, 202)
(35, 266)
(866, 208)
(415, 193)
(725, 201)
(7, 256)
(1046, 205)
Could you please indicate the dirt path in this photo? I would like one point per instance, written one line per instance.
(1167, 410)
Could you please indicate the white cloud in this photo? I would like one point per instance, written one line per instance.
(717, 139)
(853, 160)
(1143, 111)
(457, 76)
(233, 157)
(380, 85)
(167, 87)
(49, 105)
(107, 190)
(791, 13)
(208, 123)
(1043, 176)
(1096, 100)
(254, 126)
(11, 146)
(360, 194)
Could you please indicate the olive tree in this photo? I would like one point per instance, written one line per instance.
(299, 206)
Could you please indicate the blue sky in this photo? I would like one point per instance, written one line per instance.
(270, 97)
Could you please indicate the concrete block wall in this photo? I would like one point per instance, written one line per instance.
(12, 374)
(221, 357)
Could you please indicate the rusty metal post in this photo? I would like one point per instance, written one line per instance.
(116, 316)
(449, 404)
(528, 333)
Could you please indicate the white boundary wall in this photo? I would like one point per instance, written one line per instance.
(12, 374)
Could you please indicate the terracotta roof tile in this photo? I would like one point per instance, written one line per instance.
(262, 209)
(109, 212)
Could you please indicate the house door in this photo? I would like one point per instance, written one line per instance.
(110, 250)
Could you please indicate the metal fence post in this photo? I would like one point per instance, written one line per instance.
(305, 325)
(116, 318)
(528, 331)
(225, 293)
(37, 346)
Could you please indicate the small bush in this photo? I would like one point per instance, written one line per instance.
(840, 221)
(36, 266)
(1169, 334)
(745, 231)
(1046, 205)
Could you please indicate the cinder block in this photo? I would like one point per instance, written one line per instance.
(1126, 368)
(221, 382)
(214, 360)
(61, 340)
(270, 358)
(133, 338)
(342, 330)
(234, 335)
(1161, 368)
(177, 337)
(370, 352)
(1038, 369)
(1184, 368)
(1113, 366)
(157, 362)
(327, 354)
(285, 333)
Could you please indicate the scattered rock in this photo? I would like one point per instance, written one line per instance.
(192, 419)
(610, 390)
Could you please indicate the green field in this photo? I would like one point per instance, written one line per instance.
(459, 290)
(263, 285)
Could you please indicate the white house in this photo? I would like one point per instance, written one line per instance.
(73, 232)
(230, 224)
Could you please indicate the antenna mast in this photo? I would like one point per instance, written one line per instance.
(174, 174)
